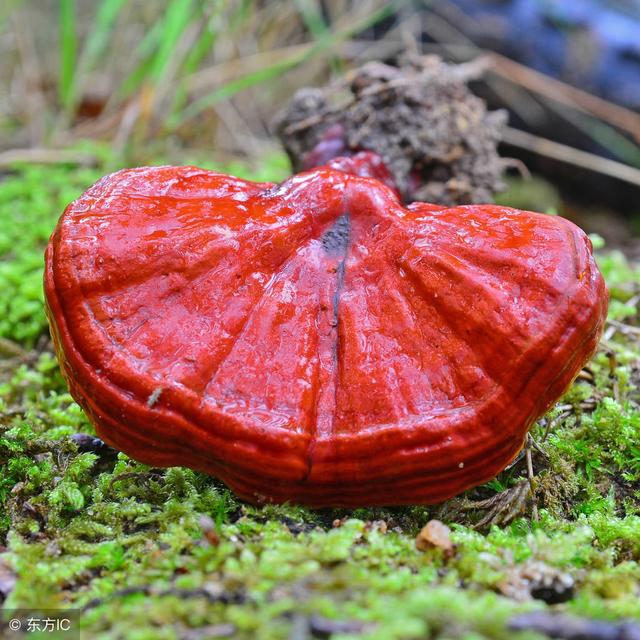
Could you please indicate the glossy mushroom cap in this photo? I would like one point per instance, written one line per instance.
(315, 341)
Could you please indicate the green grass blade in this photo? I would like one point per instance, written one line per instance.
(197, 54)
(68, 50)
(98, 39)
(144, 53)
(177, 17)
(231, 88)
(204, 43)
(312, 17)
(94, 47)
(157, 47)
(314, 21)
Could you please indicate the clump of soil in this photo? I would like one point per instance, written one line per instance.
(436, 138)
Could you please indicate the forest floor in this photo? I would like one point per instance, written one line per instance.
(169, 553)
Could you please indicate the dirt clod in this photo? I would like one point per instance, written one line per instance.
(436, 138)
(435, 535)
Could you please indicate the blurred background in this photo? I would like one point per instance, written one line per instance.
(86, 82)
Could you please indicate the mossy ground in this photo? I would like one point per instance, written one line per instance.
(153, 553)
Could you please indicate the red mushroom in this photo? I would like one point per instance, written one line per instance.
(315, 341)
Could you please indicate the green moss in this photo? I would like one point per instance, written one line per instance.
(152, 553)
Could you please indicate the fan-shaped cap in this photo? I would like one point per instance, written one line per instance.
(315, 341)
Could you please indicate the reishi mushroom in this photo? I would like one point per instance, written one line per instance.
(316, 341)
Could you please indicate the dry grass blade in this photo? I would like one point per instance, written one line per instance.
(503, 507)
(47, 156)
(569, 155)
(559, 91)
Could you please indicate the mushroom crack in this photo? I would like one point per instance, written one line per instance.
(336, 241)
